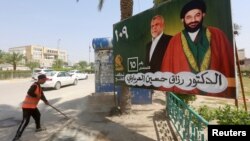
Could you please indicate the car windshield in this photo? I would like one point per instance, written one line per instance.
(51, 73)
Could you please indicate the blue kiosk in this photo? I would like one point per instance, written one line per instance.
(104, 73)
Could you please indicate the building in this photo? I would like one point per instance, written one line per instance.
(45, 56)
(241, 54)
(243, 60)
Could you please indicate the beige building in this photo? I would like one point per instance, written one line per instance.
(243, 60)
(45, 56)
(241, 54)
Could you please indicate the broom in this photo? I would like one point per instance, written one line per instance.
(59, 111)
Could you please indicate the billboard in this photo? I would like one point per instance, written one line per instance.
(182, 46)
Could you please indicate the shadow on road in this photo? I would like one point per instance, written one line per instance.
(89, 120)
(93, 122)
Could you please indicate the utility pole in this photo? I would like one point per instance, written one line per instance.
(58, 47)
(89, 53)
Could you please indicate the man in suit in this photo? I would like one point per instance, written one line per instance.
(157, 46)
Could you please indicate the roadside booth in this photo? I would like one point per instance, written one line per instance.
(104, 73)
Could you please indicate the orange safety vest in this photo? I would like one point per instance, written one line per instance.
(31, 102)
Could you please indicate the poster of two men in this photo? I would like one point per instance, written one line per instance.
(183, 46)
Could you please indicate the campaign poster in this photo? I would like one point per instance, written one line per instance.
(181, 46)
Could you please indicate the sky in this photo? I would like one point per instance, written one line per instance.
(71, 26)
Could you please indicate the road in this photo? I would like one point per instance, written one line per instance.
(69, 99)
(89, 115)
(13, 91)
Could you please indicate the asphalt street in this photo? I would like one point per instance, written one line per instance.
(69, 99)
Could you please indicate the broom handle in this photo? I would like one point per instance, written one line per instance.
(58, 111)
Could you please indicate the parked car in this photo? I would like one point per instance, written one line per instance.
(56, 79)
(39, 71)
(78, 74)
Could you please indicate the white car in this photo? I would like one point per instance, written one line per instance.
(39, 71)
(79, 75)
(56, 79)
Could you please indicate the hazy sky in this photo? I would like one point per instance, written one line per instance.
(71, 26)
(241, 17)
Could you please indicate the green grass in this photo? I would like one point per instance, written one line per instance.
(246, 85)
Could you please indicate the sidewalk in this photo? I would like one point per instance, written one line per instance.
(146, 123)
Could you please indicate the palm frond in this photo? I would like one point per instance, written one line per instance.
(100, 5)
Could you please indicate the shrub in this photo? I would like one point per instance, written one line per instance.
(225, 115)
(187, 98)
(228, 115)
(206, 113)
(14, 74)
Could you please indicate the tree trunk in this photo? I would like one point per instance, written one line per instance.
(126, 7)
(14, 66)
(125, 102)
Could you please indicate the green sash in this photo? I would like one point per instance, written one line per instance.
(198, 53)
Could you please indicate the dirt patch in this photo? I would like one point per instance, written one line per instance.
(213, 102)
(145, 123)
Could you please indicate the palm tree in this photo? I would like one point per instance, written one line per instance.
(82, 65)
(157, 2)
(1, 57)
(57, 64)
(92, 65)
(32, 64)
(126, 8)
(14, 59)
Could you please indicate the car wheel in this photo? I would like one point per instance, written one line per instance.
(75, 82)
(58, 85)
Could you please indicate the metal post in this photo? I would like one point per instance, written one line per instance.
(241, 81)
(58, 47)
